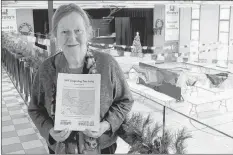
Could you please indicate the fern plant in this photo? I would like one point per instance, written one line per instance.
(146, 138)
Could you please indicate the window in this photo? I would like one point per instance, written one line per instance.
(195, 25)
(223, 38)
(225, 13)
(225, 6)
(195, 28)
(195, 13)
(224, 24)
(195, 35)
(194, 44)
(224, 32)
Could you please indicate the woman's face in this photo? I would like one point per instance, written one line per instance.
(72, 35)
(159, 24)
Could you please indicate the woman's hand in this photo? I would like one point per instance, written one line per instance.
(104, 126)
(59, 136)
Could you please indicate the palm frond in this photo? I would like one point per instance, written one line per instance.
(147, 135)
(179, 143)
(146, 121)
(146, 124)
(136, 120)
(155, 130)
(144, 138)
(166, 142)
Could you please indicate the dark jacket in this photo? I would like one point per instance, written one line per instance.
(115, 96)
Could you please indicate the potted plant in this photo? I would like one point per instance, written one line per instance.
(145, 138)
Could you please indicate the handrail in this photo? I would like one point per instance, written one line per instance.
(206, 67)
(164, 109)
(40, 34)
(182, 115)
(21, 95)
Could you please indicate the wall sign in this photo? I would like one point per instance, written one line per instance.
(25, 29)
(171, 23)
(9, 20)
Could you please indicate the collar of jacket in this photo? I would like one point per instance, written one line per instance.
(61, 64)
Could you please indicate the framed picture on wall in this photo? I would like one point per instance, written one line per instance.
(158, 27)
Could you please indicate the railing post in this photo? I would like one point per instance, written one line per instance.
(163, 136)
(164, 112)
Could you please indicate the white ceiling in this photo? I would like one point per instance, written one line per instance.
(105, 4)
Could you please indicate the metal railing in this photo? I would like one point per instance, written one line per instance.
(22, 76)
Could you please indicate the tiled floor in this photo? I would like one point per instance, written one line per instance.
(19, 134)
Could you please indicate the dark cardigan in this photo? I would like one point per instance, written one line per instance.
(115, 96)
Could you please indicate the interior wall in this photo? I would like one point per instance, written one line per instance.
(185, 31)
(24, 16)
(209, 24)
(209, 21)
(159, 13)
(230, 57)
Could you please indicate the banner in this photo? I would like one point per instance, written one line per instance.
(171, 23)
(9, 20)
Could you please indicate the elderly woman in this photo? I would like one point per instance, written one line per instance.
(72, 31)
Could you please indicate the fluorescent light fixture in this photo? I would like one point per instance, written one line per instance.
(107, 4)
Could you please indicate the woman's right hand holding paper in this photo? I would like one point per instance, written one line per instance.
(60, 136)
